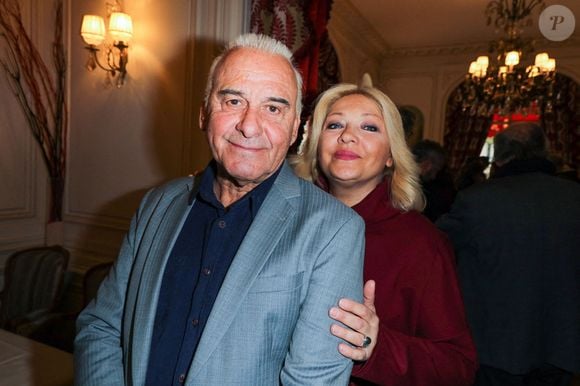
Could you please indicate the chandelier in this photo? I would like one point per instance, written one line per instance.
(507, 81)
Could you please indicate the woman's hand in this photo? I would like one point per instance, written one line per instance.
(363, 322)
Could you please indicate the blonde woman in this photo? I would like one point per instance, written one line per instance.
(355, 149)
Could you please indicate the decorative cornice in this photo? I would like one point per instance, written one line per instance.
(467, 48)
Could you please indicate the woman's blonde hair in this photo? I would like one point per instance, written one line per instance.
(403, 174)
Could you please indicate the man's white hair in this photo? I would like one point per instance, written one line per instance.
(262, 43)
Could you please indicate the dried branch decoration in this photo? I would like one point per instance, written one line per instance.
(40, 92)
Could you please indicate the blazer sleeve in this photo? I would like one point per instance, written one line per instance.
(98, 355)
(313, 357)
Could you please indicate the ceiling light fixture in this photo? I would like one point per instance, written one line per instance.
(507, 81)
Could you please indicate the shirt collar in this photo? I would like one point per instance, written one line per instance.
(254, 198)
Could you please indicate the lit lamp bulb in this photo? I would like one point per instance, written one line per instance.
(93, 30)
(512, 58)
(121, 27)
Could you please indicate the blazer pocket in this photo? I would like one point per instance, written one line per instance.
(264, 284)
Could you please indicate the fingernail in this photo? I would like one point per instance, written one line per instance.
(333, 312)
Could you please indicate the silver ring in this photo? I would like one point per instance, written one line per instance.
(366, 341)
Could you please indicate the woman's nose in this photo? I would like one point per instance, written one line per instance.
(347, 135)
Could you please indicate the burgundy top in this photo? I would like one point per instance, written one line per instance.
(423, 336)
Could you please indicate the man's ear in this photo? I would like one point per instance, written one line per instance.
(202, 118)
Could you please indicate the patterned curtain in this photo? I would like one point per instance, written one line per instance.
(464, 134)
(562, 123)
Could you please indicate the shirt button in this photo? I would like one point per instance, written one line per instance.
(195, 322)
(181, 378)
(206, 271)
(222, 224)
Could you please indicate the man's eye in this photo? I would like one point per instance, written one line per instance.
(273, 109)
(233, 102)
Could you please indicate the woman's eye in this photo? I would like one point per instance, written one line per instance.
(370, 128)
(333, 125)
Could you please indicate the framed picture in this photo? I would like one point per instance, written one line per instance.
(413, 122)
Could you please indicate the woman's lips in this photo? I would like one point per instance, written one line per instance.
(345, 155)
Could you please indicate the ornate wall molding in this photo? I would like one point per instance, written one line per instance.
(460, 49)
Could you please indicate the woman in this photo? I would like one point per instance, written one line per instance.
(356, 150)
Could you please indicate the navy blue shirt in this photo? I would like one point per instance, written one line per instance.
(195, 270)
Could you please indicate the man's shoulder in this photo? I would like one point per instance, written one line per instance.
(170, 189)
(314, 198)
(304, 196)
(524, 182)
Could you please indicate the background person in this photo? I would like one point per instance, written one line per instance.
(436, 181)
(228, 279)
(517, 245)
(356, 150)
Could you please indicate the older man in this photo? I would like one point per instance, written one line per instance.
(516, 238)
(228, 279)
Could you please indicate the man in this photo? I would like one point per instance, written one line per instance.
(228, 279)
(436, 182)
(517, 244)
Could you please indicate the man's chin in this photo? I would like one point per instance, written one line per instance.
(244, 176)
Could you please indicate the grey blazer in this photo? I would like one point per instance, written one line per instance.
(269, 324)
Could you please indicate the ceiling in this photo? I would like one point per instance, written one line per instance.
(435, 23)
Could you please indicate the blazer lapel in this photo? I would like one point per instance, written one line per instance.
(261, 239)
(156, 248)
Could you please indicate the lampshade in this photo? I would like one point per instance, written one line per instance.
(483, 61)
(93, 29)
(474, 68)
(541, 60)
(512, 58)
(121, 26)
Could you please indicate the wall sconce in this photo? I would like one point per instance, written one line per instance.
(121, 31)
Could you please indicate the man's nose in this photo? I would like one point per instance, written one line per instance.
(249, 124)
